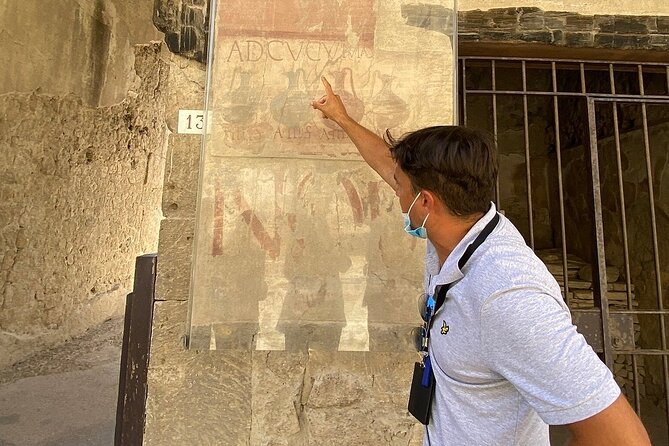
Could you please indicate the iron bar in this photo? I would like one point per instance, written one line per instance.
(558, 151)
(637, 392)
(599, 96)
(601, 298)
(651, 198)
(566, 61)
(498, 202)
(643, 352)
(528, 167)
(645, 312)
(623, 212)
(656, 252)
(464, 92)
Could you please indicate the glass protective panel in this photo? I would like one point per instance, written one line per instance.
(299, 244)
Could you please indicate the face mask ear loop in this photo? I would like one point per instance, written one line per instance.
(425, 221)
(413, 202)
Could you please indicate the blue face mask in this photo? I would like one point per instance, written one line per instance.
(418, 232)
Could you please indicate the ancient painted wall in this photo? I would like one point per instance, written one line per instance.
(293, 221)
(84, 47)
(244, 396)
(299, 243)
(80, 189)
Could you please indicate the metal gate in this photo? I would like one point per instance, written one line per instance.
(601, 185)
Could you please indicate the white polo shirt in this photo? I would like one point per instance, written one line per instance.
(506, 357)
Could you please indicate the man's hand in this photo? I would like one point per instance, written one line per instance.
(331, 106)
(371, 146)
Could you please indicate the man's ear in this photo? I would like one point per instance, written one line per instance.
(429, 200)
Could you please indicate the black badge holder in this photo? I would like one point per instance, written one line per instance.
(423, 382)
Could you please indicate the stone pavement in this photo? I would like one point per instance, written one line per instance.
(66, 395)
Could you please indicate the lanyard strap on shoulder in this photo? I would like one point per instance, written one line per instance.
(483, 235)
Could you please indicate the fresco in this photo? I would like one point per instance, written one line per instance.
(299, 243)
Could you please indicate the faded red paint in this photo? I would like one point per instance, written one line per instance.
(291, 218)
(219, 212)
(303, 184)
(374, 199)
(353, 198)
(271, 245)
(298, 19)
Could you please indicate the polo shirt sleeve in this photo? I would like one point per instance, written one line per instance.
(530, 340)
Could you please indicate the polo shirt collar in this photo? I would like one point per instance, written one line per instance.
(450, 271)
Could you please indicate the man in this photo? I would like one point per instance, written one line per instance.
(507, 360)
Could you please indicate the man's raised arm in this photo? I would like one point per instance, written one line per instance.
(371, 146)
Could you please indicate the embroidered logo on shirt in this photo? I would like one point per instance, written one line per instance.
(445, 328)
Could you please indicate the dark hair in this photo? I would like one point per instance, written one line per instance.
(458, 164)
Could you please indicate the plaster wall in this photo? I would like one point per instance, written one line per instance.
(80, 189)
(83, 47)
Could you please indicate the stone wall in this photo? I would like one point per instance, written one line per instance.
(622, 7)
(80, 189)
(564, 29)
(82, 47)
(185, 24)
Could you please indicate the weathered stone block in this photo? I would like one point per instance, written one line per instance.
(507, 19)
(604, 23)
(273, 397)
(660, 41)
(194, 397)
(578, 39)
(473, 21)
(633, 25)
(558, 37)
(532, 21)
(662, 23)
(322, 396)
(174, 259)
(579, 23)
(630, 41)
(555, 20)
(501, 35)
(537, 36)
(605, 40)
(182, 164)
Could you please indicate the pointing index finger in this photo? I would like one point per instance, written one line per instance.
(328, 87)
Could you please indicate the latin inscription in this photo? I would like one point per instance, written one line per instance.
(299, 50)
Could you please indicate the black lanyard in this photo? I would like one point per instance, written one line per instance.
(473, 246)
